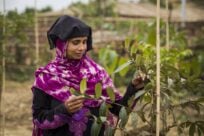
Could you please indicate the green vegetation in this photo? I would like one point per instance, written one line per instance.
(19, 48)
(182, 98)
(17, 26)
(180, 87)
(96, 8)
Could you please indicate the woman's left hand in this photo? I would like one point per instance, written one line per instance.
(138, 80)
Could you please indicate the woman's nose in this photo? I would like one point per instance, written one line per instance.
(82, 46)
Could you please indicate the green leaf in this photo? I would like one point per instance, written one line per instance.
(88, 96)
(103, 119)
(139, 93)
(196, 74)
(102, 109)
(198, 81)
(103, 54)
(111, 94)
(147, 97)
(199, 131)
(151, 37)
(109, 59)
(138, 59)
(109, 131)
(124, 71)
(133, 50)
(192, 129)
(186, 52)
(123, 116)
(112, 65)
(148, 86)
(127, 43)
(200, 124)
(74, 92)
(123, 66)
(98, 90)
(95, 129)
(83, 86)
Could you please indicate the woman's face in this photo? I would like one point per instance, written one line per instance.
(76, 47)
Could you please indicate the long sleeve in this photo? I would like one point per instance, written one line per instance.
(130, 91)
(48, 113)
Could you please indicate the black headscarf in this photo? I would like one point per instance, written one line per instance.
(66, 27)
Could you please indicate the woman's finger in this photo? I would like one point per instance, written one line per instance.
(74, 98)
(75, 108)
(76, 102)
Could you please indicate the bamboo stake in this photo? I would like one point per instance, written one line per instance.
(36, 36)
(167, 47)
(2, 121)
(158, 71)
(183, 12)
(167, 25)
(101, 9)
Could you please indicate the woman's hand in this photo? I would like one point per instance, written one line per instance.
(138, 80)
(74, 103)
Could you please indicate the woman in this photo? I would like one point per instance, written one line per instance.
(56, 112)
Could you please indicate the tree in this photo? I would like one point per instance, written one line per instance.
(46, 9)
(96, 8)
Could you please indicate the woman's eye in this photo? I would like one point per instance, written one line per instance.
(85, 41)
(75, 42)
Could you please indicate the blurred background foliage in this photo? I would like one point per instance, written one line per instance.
(18, 37)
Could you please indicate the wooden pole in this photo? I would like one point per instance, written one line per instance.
(36, 36)
(165, 124)
(101, 9)
(183, 12)
(2, 121)
(167, 25)
(158, 70)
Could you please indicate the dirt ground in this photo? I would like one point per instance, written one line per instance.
(17, 109)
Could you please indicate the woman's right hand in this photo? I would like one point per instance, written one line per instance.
(74, 103)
